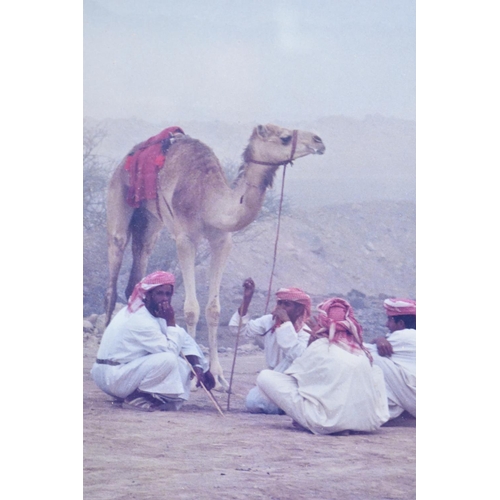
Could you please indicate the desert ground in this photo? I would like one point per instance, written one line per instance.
(196, 453)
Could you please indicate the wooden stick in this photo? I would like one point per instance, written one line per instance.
(234, 359)
(210, 395)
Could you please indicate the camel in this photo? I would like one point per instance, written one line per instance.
(194, 202)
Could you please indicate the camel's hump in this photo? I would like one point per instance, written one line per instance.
(191, 153)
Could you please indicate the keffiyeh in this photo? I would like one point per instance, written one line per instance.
(400, 307)
(336, 322)
(158, 278)
(299, 296)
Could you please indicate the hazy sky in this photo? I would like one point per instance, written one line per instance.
(242, 60)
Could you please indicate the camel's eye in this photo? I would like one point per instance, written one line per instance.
(286, 140)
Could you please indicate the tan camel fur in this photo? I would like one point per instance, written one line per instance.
(195, 202)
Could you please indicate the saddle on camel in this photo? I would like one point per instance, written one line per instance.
(143, 163)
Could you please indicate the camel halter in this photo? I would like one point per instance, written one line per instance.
(273, 164)
(286, 162)
(294, 145)
(270, 280)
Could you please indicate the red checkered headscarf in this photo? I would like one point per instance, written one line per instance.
(400, 307)
(336, 322)
(297, 295)
(158, 278)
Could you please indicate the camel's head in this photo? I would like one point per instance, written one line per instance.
(276, 145)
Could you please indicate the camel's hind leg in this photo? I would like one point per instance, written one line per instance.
(220, 249)
(119, 214)
(145, 229)
(116, 248)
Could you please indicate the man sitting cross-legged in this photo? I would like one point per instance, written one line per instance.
(333, 386)
(284, 334)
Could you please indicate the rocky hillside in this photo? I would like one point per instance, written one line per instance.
(363, 252)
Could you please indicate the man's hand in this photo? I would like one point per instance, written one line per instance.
(280, 316)
(312, 337)
(166, 311)
(248, 289)
(208, 380)
(312, 324)
(199, 374)
(384, 347)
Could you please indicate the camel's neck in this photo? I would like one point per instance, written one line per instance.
(239, 206)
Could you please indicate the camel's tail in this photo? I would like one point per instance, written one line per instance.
(138, 225)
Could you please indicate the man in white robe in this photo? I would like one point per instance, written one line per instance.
(283, 333)
(144, 357)
(333, 386)
(396, 355)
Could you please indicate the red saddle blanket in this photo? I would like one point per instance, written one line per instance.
(143, 163)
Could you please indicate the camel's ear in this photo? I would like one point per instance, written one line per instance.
(262, 131)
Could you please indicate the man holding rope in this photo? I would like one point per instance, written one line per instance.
(144, 358)
(285, 335)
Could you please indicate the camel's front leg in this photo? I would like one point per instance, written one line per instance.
(186, 253)
(220, 248)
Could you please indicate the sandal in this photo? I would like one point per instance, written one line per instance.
(140, 403)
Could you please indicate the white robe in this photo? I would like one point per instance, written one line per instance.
(399, 371)
(281, 347)
(149, 355)
(329, 390)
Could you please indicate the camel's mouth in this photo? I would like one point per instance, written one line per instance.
(320, 148)
(317, 151)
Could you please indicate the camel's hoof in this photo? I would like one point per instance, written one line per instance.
(221, 384)
(220, 388)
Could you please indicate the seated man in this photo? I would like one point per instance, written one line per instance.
(284, 335)
(396, 355)
(333, 386)
(144, 357)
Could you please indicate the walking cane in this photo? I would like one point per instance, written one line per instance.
(210, 395)
(234, 361)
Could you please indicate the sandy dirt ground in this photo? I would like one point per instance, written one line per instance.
(196, 453)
